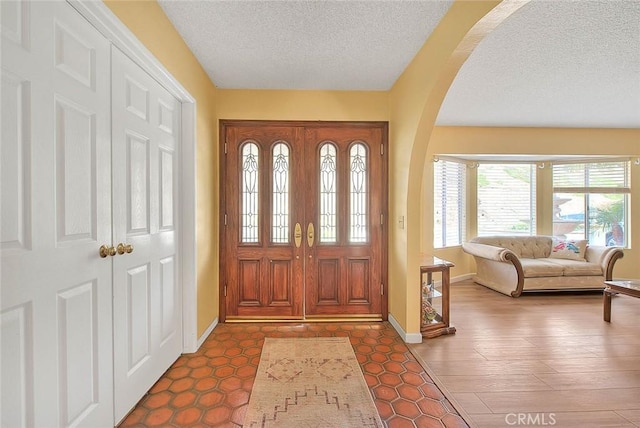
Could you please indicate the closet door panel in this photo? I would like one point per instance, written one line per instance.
(56, 302)
(147, 294)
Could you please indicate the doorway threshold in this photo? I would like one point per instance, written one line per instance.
(309, 319)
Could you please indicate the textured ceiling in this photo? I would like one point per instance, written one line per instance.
(341, 45)
(553, 63)
(567, 63)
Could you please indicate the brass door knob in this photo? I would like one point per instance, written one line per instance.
(297, 235)
(124, 248)
(106, 251)
(310, 233)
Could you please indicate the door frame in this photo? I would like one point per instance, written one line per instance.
(101, 17)
(224, 123)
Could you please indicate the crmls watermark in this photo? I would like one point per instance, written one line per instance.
(524, 419)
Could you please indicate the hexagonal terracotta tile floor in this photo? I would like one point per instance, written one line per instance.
(212, 387)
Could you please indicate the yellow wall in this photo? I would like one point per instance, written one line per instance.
(150, 25)
(303, 105)
(415, 100)
(537, 141)
(411, 108)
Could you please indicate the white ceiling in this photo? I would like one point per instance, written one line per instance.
(567, 63)
(341, 45)
(554, 63)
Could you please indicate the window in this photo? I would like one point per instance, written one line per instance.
(250, 197)
(449, 211)
(358, 193)
(590, 201)
(328, 193)
(506, 199)
(280, 194)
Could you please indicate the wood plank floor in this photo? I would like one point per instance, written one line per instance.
(546, 359)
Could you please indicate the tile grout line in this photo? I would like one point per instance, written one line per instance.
(463, 413)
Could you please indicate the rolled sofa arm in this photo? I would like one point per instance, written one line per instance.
(490, 252)
(496, 256)
(606, 257)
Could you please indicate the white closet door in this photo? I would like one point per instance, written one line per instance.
(56, 309)
(147, 294)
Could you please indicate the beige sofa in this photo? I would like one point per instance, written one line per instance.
(516, 264)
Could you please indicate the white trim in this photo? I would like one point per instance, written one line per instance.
(407, 337)
(101, 17)
(206, 333)
(460, 278)
(188, 227)
(455, 279)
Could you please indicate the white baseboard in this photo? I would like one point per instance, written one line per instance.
(407, 337)
(417, 337)
(462, 278)
(456, 279)
(207, 332)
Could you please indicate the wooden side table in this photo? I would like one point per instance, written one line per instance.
(434, 300)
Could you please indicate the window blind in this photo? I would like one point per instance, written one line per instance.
(592, 177)
(591, 201)
(506, 199)
(449, 204)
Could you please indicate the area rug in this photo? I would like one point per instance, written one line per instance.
(310, 382)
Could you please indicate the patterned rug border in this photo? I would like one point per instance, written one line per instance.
(322, 371)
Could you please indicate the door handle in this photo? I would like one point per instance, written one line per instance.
(106, 251)
(310, 235)
(124, 248)
(297, 235)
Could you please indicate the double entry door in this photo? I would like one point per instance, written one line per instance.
(88, 159)
(303, 207)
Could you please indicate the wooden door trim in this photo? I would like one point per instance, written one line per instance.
(222, 242)
(300, 123)
(224, 124)
(386, 223)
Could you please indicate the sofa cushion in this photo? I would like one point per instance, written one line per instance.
(535, 268)
(531, 247)
(577, 268)
(571, 249)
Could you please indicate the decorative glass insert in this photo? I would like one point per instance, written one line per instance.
(280, 194)
(328, 186)
(250, 208)
(358, 193)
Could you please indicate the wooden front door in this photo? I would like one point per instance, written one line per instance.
(303, 207)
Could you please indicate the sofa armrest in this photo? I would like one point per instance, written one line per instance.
(606, 257)
(490, 252)
(491, 259)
